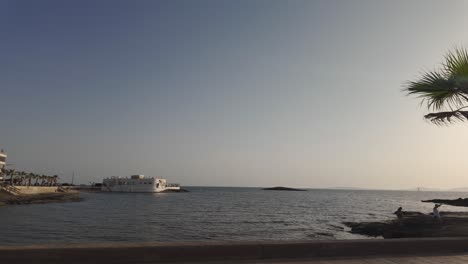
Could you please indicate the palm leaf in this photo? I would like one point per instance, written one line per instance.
(437, 91)
(441, 118)
(446, 89)
(456, 63)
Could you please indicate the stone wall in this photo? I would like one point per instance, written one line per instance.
(36, 189)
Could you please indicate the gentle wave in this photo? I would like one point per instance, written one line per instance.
(206, 214)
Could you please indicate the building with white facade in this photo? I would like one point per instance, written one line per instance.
(137, 183)
(3, 157)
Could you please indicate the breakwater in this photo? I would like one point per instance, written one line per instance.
(36, 195)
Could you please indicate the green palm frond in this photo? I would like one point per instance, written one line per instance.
(445, 89)
(456, 63)
(436, 90)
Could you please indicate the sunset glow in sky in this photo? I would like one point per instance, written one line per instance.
(229, 93)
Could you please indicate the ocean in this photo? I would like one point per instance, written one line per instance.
(207, 214)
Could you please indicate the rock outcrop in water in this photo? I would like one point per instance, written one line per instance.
(414, 225)
(456, 202)
(282, 189)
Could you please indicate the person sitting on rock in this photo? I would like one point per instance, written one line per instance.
(435, 212)
(399, 213)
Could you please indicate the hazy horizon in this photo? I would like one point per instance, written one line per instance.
(229, 93)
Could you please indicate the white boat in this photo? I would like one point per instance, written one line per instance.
(137, 183)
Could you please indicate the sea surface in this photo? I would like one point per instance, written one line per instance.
(207, 214)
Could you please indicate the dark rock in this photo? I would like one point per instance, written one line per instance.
(415, 224)
(282, 189)
(455, 202)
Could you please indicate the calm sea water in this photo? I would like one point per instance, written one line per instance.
(206, 214)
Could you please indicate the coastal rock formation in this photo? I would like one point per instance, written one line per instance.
(415, 224)
(282, 189)
(455, 202)
(6, 198)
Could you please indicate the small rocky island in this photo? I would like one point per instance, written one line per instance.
(282, 189)
(414, 225)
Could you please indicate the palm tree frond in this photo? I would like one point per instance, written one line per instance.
(443, 118)
(437, 91)
(456, 63)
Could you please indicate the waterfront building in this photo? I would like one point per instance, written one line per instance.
(3, 157)
(137, 183)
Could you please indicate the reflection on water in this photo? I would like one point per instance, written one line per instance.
(206, 214)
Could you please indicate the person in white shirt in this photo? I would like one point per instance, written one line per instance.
(436, 213)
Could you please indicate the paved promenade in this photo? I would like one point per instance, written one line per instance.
(427, 250)
(452, 259)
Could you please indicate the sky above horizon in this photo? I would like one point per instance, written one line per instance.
(229, 93)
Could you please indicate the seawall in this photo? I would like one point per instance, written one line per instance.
(229, 251)
(36, 189)
(43, 196)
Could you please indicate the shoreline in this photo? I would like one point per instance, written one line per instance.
(414, 225)
(40, 198)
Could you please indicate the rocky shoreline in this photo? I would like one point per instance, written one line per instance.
(456, 202)
(415, 225)
(53, 197)
(70, 196)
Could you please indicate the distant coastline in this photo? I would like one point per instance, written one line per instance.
(280, 188)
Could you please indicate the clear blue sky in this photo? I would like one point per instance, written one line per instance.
(229, 93)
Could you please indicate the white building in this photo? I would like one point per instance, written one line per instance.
(137, 183)
(3, 157)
